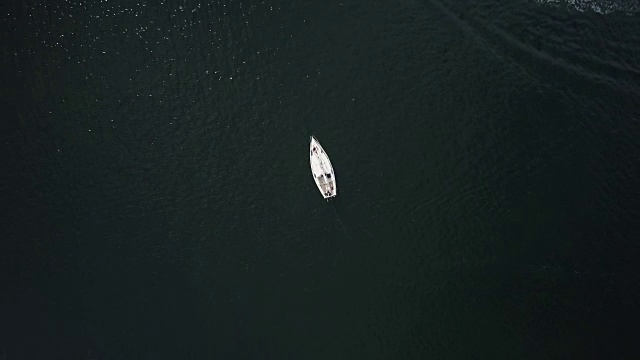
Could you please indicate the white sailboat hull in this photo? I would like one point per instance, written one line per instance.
(322, 170)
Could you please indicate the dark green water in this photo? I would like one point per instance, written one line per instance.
(159, 203)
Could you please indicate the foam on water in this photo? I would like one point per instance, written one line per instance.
(600, 6)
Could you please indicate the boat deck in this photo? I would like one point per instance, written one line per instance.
(322, 170)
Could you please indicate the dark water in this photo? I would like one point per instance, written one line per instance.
(159, 204)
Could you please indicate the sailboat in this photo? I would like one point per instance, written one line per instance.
(322, 170)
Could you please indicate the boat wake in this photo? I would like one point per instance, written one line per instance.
(344, 227)
(346, 230)
(609, 71)
(600, 6)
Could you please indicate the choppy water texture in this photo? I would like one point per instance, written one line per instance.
(161, 203)
(599, 6)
